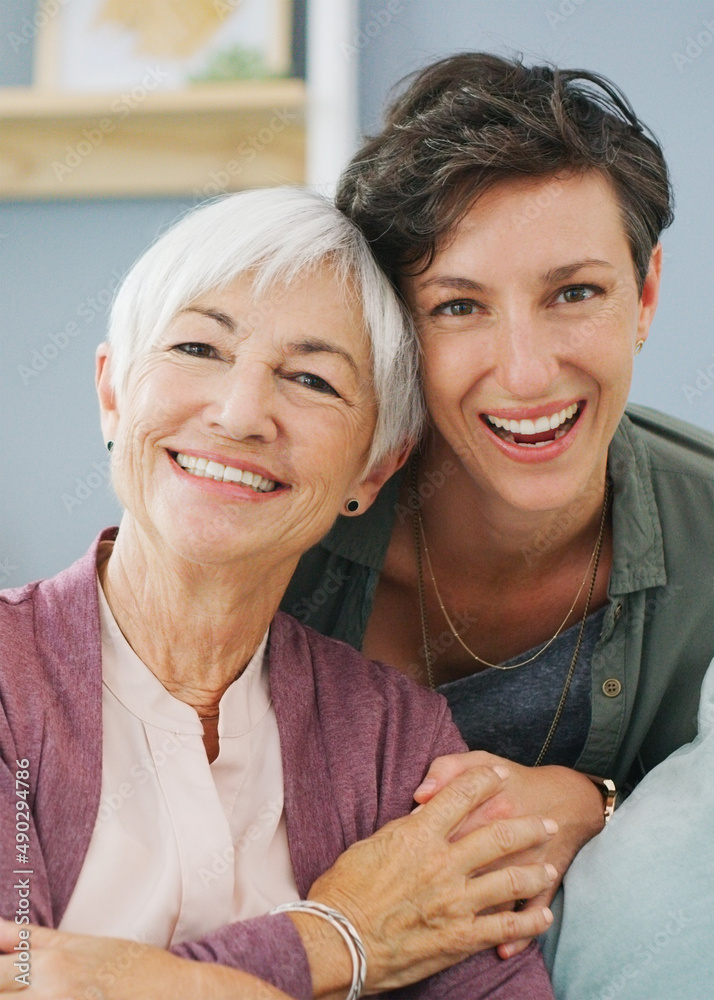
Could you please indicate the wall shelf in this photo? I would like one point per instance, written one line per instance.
(193, 142)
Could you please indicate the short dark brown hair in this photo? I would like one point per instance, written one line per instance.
(471, 120)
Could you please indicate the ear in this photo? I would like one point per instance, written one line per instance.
(650, 294)
(367, 489)
(108, 408)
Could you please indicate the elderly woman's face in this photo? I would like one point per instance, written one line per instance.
(247, 426)
(529, 319)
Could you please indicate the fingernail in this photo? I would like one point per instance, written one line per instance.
(552, 871)
(428, 785)
(548, 914)
(501, 771)
(550, 825)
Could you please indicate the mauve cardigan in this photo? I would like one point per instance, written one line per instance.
(356, 738)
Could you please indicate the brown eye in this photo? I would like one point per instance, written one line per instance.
(577, 293)
(461, 307)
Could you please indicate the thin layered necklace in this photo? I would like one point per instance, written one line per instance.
(590, 572)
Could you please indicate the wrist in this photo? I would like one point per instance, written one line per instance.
(608, 795)
(334, 949)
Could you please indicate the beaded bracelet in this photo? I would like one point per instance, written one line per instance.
(347, 932)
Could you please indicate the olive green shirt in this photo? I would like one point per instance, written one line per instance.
(658, 632)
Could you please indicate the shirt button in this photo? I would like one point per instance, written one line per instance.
(612, 687)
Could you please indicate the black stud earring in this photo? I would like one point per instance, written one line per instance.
(110, 445)
(352, 505)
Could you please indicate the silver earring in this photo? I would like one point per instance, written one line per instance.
(638, 346)
(352, 505)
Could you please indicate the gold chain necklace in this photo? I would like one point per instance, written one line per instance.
(420, 539)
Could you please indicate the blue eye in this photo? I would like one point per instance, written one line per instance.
(314, 382)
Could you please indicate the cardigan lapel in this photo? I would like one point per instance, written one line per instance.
(315, 834)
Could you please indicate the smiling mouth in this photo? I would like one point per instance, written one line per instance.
(534, 433)
(204, 468)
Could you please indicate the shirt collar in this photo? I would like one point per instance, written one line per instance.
(638, 550)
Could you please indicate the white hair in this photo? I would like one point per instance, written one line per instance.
(275, 234)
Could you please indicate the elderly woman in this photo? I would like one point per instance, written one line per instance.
(177, 759)
(518, 210)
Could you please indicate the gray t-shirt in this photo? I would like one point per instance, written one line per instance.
(509, 712)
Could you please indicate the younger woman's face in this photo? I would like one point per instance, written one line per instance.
(529, 317)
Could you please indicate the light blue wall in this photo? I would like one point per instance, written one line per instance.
(58, 262)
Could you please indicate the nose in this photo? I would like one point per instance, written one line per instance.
(244, 407)
(526, 362)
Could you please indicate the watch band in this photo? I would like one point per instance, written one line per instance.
(608, 790)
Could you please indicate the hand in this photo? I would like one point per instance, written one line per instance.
(92, 968)
(566, 796)
(410, 891)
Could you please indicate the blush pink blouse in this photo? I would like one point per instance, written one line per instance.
(181, 847)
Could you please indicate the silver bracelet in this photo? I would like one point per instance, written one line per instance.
(347, 932)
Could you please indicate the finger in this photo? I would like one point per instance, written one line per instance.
(514, 948)
(502, 839)
(451, 804)
(442, 770)
(502, 888)
(501, 930)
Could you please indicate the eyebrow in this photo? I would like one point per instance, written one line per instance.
(459, 284)
(315, 345)
(553, 276)
(305, 347)
(219, 317)
(557, 274)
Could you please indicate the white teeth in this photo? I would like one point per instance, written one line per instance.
(538, 426)
(204, 468)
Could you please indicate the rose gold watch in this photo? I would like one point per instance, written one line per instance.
(608, 790)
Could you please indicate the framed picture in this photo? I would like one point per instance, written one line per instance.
(111, 45)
